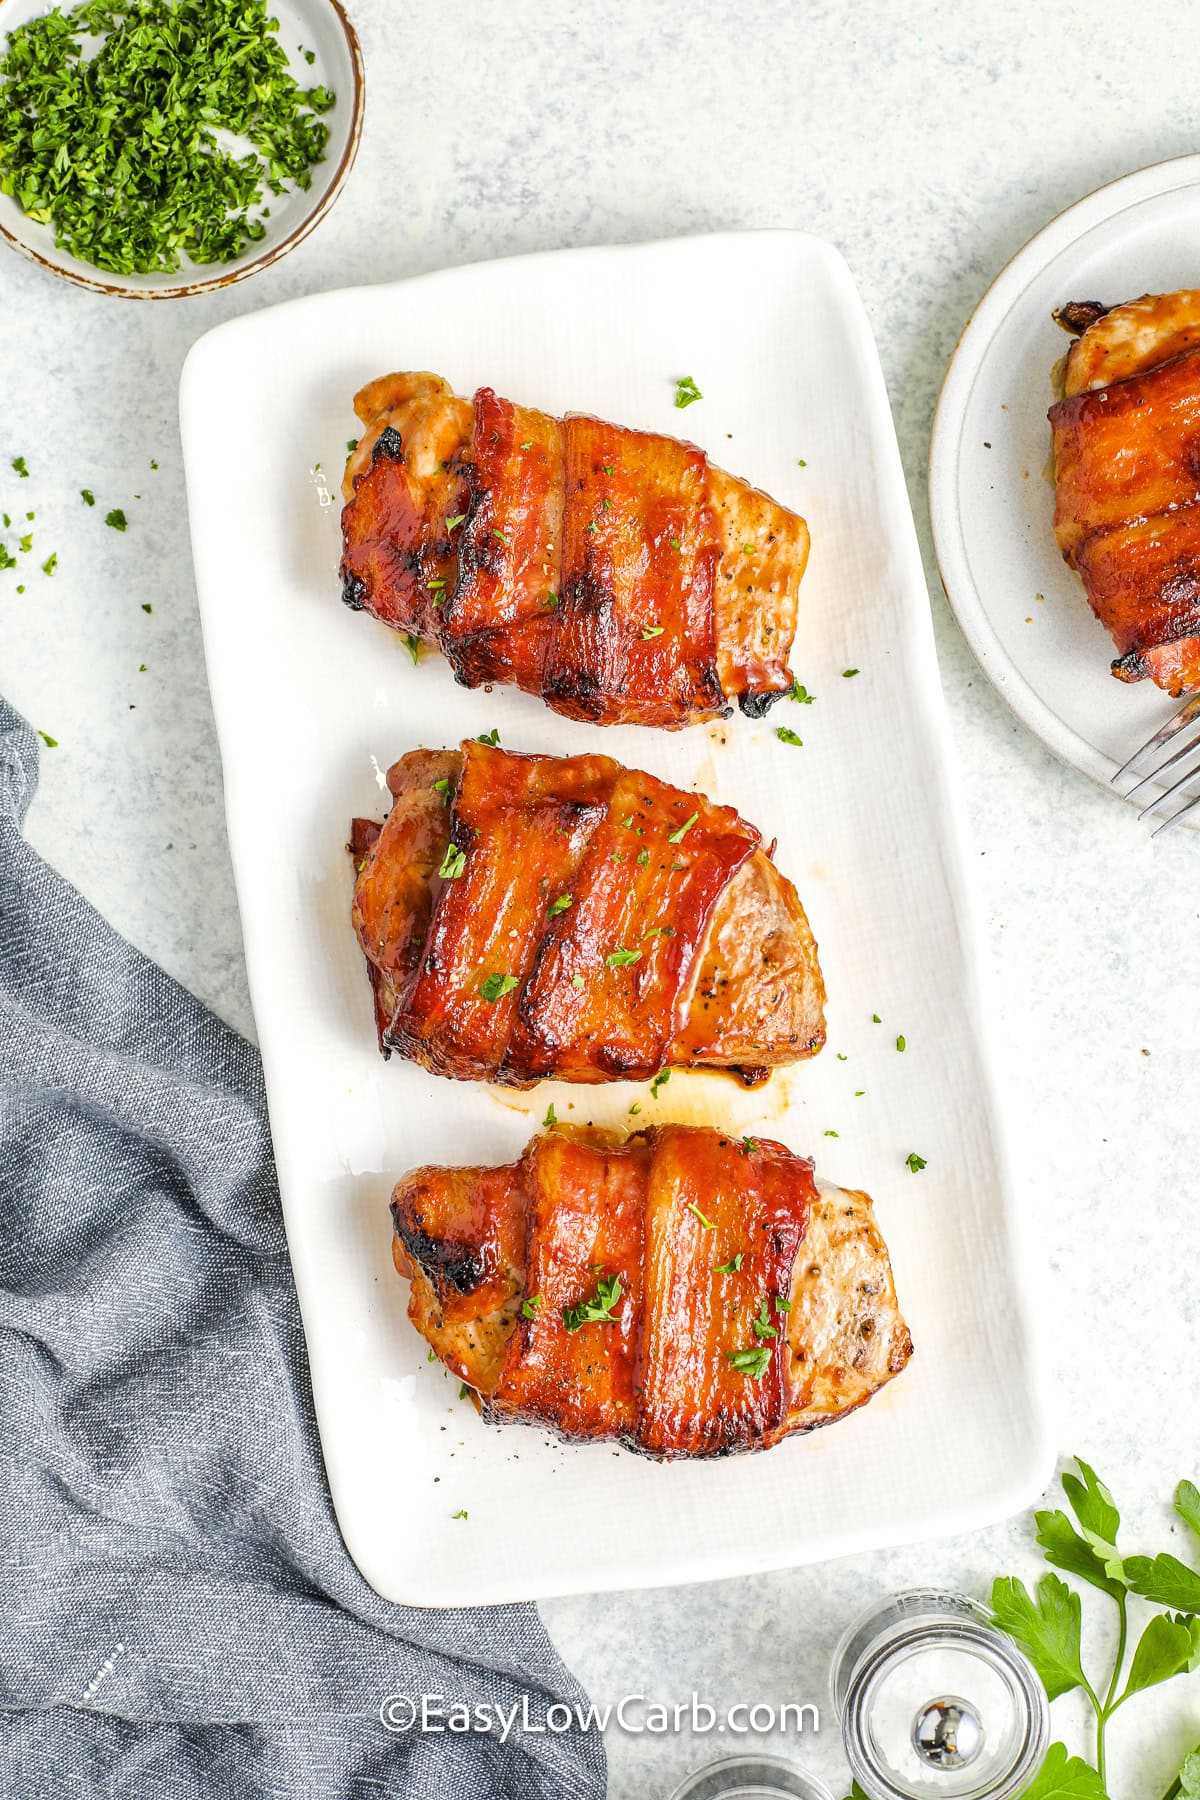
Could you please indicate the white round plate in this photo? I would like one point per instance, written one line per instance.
(319, 26)
(991, 501)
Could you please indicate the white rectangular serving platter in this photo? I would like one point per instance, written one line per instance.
(313, 702)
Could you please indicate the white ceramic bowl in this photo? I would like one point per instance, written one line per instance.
(318, 25)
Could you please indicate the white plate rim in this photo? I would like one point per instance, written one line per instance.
(945, 445)
(1021, 1484)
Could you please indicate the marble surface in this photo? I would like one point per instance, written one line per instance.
(928, 142)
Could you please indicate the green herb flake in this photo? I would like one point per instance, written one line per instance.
(558, 906)
(762, 1326)
(577, 981)
(87, 496)
(499, 535)
(18, 462)
(652, 631)
(706, 1224)
(351, 447)
(600, 1309)
(50, 743)
(801, 695)
(800, 463)
(530, 1305)
(26, 544)
(786, 735)
(462, 1513)
(494, 987)
(848, 673)
(916, 1163)
(753, 1363)
(116, 518)
(123, 149)
(831, 1134)
(413, 646)
(146, 607)
(749, 1146)
(732, 1266)
(491, 737)
(457, 519)
(901, 1043)
(50, 564)
(875, 1019)
(659, 1083)
(453, 864)
(677, 837)
(686, 391)
(621, 958)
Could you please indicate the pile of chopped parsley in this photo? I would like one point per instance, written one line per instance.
(114, 143)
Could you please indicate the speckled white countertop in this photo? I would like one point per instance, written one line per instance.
(928, 141)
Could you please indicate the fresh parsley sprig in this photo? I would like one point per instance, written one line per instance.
(600, 1309)
(1047, 1624)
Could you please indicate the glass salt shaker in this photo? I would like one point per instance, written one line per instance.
(751, 1777)
(935, 1703)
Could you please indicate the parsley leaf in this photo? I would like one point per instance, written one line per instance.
(801, 695)
(491, 737)
(660, 1081)
(551, 1117)
(1047, 1625)
(762, 1326)
(413, 646)
(653, 631)
(686, 391)
(677, 837)
(494, 987)
(753, 1363)
(786, 735)
(559, 905)
(116, 518)
(599, 1309)
(621, 958)
(453, 864)
(733, 1265)
(708, 1224)
(87, 496)
(530, 1305)
(916, 1163)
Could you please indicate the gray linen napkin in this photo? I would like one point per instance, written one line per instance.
(178, 1615)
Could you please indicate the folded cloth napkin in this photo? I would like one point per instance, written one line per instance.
(178, 1615)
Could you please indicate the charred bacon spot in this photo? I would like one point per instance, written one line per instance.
(447, 1264)
(354, 591)
(389, 443)
(1132, 667)
(756, 705)
(1077, 315)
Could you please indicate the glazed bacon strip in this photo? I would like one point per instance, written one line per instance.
(682, 1292)
(531, 916)
(613, 572)
(1127, 467)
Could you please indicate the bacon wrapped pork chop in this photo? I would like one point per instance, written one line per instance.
(615, 573)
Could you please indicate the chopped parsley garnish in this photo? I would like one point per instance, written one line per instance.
(116, 518)
(733, 1265)
(754, 1363)
(18, 462)
(875, 1019)
(749, 1146)
(800, 463)
(530, 1305)
(635, 1108)
(577, 981)
(491, 737)
(351, 446)
(801, 695)
(686, 391)
(456, 520)
(551, 1117)
(847, 673)
(453, 864)
(643, 857)
(50, 743)
(653, 631)
(599, 1309)
(497, 533)
(782, 1305)
(708, 1224)
(660, 1081)
(558, 906)
(674, 543)
(551, 599)
(786, 735)
(87, 496)
(831, 1134)
(494, 987)
(528, 444)
(146, 607)
(916, 1163)
(901, 1043)
(50, 564)
(677, 837)
(464, 1392)
(120, 148)
(413, 646)
(462, 1513)
(658, 931)
(621, 958)
(443, 788)
(762, 1326)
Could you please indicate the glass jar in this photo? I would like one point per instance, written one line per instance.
(935, 1703)
(751, 1777)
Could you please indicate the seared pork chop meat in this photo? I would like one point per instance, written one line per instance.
(533, 916)
(683, 1292)
(615, 573)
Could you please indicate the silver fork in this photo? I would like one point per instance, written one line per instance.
(1186, 757)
